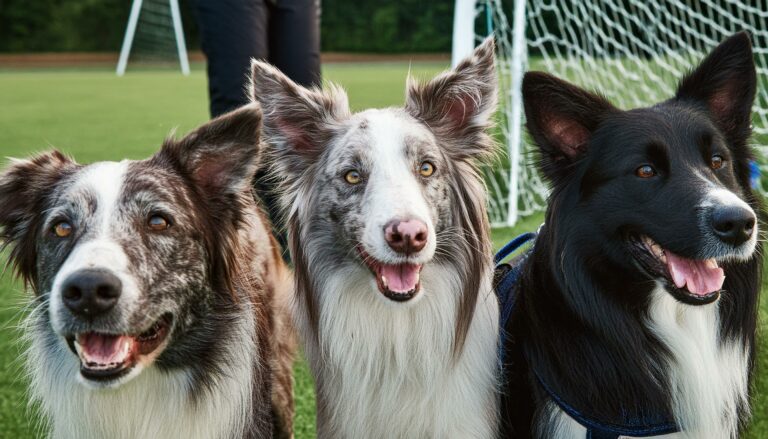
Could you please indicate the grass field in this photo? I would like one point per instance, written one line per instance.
(94, 115)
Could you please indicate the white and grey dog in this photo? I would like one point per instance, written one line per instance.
(388, 231)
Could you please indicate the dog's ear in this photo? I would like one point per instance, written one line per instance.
(298, 122)
(561, 118)
(25, 187)
(458, 105)
(725, 83)
(221, 156)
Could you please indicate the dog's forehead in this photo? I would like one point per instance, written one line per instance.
(105, 185)
(385, 131)
(677, 130)
(101, 180)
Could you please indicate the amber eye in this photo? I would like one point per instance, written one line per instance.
(62, 229)
(645, 171)
(158, 223)
(717, 161)
(426, 169)
(353, 177)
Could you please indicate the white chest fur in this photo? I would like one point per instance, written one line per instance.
(708, 376)
(388, 371)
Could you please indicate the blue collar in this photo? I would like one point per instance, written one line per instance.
(506, 292)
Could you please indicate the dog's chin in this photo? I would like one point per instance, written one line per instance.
(397, 283)
(108, 360)
(689, 281)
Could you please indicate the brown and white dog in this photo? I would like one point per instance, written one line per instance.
(160, 297)
(388, 231)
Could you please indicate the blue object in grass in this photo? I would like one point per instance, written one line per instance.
(754, 174)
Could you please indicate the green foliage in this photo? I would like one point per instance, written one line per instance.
(392, 26)
(99, 25)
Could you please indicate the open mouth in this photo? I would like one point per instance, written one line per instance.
(107, 357)
(397, 282)
(692, 281)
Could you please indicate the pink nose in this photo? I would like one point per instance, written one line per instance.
(407, 236)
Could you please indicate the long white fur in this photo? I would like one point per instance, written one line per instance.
(708, 376)
(386, 369)
(398, 361)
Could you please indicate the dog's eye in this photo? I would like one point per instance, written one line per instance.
(426, 169)
(158, 223)
(62, 229)
(717, 161)
(353, 177)
(645, 171)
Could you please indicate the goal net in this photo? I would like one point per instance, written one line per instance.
(154, 35)
(632, 51)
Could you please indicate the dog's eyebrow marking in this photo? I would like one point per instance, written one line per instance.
(104, 181)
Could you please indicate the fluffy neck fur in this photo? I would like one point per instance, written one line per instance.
(388, 372)
(157, 403)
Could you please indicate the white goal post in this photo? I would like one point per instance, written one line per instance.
(631, 51)
(139, 6)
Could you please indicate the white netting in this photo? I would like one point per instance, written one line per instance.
(632, 51)
(155, 41)
(154, 34)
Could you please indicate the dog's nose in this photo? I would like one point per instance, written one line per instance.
(406, 236)
(91, 292)
(733, 224)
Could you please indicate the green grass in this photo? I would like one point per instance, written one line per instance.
(94, 115)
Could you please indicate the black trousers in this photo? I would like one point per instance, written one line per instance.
(285, 33)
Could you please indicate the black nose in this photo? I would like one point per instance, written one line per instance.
(733, 224)
(91, 292)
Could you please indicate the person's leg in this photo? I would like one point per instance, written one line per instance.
(294, 39)
(231, 32)
(294, 48)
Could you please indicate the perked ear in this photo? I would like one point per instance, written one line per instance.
(24, 188)
(458, 105)
(221, 156)
(561, 118)
(725, 83)
(298, 122)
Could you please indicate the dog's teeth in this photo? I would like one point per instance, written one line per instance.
(648, 241)
(384, 281)
(418, 276)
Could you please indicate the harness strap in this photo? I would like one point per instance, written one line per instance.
(605, 430)
(507, 276)
(512, 245)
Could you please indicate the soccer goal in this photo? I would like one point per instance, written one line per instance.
(154, 34)
(632, 51)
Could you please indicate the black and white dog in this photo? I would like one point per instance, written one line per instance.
(389, 235)
(160, 306)
(638, 303)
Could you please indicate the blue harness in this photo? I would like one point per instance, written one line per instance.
(506, 292)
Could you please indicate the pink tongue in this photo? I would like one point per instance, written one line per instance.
(104, 349)
(401, 278)
(701, 277)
